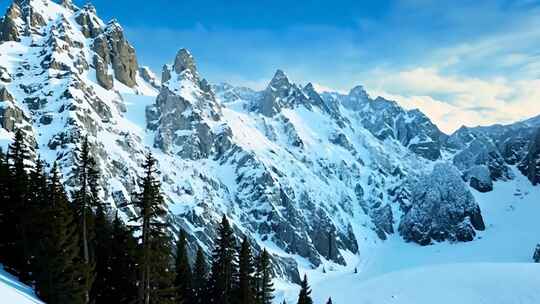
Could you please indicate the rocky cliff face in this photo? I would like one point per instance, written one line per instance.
(495, 148)
(57, 88)
(313, 177)
(442, 208)
(385, 119)
(11, 23)
(186, 116)
(530, 164)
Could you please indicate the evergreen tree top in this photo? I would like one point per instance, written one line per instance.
(304, 297)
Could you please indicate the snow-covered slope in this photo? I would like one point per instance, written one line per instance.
(443, 284)
(14, 292)
(495, 268)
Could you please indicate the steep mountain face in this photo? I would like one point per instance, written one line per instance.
(312, 177)
(485, 154)
(385, 119)
(186, 115)
(433, 198)
(530, 164)
(63, 72)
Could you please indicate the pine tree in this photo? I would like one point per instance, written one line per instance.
(162, 274)
(183, 279)
(263, 279)
(223, 265)
(38, 203)
(15, 214)
(124, 264)
(103, 254)
(86, 199)
(57, 272)
(330, 245)
(245, 289)
(199, 278)
(304, 296)
(155, 241)
(6, 213)
(329, 301)
(116, 268)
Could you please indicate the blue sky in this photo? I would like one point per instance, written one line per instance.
(461, 62)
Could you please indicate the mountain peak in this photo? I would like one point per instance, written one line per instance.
(9, 30)
(184, 61)
(69, 4)
(358, 91)
(279, 74)
(88, 7)
(309, 87)
(114, 25)
(280, 80)
(14, 10)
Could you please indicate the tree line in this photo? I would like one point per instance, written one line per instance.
(73, 249)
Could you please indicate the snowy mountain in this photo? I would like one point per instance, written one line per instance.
(494, 268)
(317, 178)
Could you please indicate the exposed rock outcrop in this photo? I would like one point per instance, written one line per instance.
(479, 149)
(385, 119)
(280, 93)
(9, 28)
(87, 19)
(479, 178)
(12, 117)
(101, 47)
(442, 209)
(122, 54)
(4, 94)
(68, 4)
(530, 166)
(188, 114)
(4, 75)
(536, 255)
(102, 74)
(149, 77)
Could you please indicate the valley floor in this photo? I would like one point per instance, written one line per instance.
(494, 268)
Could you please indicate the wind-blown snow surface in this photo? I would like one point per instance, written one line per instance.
(14, 292)
(478, 283)
(495, 268)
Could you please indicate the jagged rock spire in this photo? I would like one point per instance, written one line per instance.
(188, 135)
(14, 10)
(8, 26)
(316, 99)
(68, 4)
(309, 87)
(275, 95)
(4, 94)
(280, 81)
(89, 22)
(122, 54)
(184, 61)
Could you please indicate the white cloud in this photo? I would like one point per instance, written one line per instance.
(467, 101)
